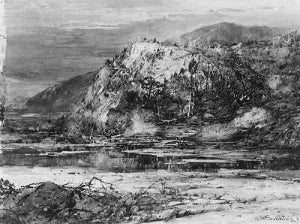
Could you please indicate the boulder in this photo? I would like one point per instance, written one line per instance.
(47, 199)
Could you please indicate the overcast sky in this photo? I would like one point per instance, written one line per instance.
(109, 14)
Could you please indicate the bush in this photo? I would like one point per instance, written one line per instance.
(88, 126)
(240, 83)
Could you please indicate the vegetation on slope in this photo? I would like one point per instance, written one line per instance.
(62, 96)
(161, 82)
(227, 34)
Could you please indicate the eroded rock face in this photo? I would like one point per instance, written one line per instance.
(254, 118)
(158, 61)
(285, 130)
(283, 84)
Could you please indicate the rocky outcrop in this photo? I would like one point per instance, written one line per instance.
(254, 118)
(147, 80)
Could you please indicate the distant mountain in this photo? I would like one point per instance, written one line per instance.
(62, 96)
(227, 33)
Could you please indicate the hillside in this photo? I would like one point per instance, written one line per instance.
(62, 96)
(227, 34)
(149, 82)
(145, 81)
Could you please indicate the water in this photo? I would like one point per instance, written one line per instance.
(106, 159)
(100, 160)
(137, 153)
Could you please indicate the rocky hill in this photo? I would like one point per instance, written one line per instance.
(149, 82)
(62, 96)
(133, 84)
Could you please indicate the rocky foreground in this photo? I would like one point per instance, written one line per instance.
(228, 196)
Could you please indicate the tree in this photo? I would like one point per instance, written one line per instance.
(193, 67)
(240, 82)
(154, 91)
(2, 112)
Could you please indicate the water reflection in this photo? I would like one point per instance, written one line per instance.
(124, 162)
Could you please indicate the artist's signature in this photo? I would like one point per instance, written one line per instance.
(289, 218)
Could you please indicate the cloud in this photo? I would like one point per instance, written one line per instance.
(112, 13)
(232, 10)
(267, 7)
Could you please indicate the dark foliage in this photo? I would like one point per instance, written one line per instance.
(242, 82)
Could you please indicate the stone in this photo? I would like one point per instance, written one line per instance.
(48, 198)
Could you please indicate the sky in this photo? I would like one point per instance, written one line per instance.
(92, 14)
(53, 40)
